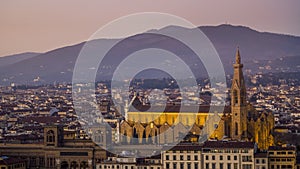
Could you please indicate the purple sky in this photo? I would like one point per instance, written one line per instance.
(39, 26)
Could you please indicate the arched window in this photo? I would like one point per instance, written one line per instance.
(73, 165)
(64, 165)
(236, 128)
(235, 97)
(84, 165)
(50, 136)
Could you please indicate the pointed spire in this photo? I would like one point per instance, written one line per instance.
(238, 56)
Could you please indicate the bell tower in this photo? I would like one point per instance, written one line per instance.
(238, 101)
(53, 135)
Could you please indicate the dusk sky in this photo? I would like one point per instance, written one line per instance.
(39, 26)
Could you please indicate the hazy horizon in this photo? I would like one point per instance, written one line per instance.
(35, 26)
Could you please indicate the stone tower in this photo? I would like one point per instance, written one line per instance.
(53, 135)
(238, 102)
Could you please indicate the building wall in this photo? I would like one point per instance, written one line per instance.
(282, 158)
(228, 158)
(261, 163)
(173, 159)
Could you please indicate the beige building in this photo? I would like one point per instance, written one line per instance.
(261, 160)
(130, 163)
(210, 155)
(282, 157)
(187, 156)
(56, 151)
(228, 155)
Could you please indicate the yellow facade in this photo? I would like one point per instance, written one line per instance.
(240, 121)
(171, 118)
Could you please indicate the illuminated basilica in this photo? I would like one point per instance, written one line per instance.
(239, 121)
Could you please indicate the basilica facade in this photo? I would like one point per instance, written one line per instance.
(239, 121)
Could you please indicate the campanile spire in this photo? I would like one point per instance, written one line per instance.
(238, 100)
(238, 56)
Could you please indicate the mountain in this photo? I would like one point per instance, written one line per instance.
(260, 51)
(254, 46)
(11, 59)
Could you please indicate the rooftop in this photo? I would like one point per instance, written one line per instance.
(228, 144)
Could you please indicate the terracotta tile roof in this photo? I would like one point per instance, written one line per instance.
(261, 155)
(177, 108)
(228, 144)
(281, 148)
(184, 147)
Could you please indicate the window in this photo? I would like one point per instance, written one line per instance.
(188, 165)
(213, 158)
(174, 165)
(174, 157)
(235, 157)
(167, 165)
(167, 157)
(221, 165)
(228, 165)
(221, 157)
(246, 158)
(213, 165)
(50, 136)
(196, 165)
(181, 157)
(228, 157)
(206, 157)
(235, 97)
(206, 165)
(235, 166)
(236, 128)
(181, 165)
(195, 157)
(188, 157)
(246, 166)
(263, 161)
(257, 161)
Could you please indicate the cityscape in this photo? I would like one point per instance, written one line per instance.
(58, 110)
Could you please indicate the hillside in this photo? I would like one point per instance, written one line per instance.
(261, 52)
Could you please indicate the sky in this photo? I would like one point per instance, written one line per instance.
(40, 26)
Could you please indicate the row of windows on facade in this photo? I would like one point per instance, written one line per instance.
(281, 166)
(229, 166)
(281, 153)
(51, 162)
(182, 165)
(281, 159)
(263, 161)
(188, 157)
(15, 166)
(126, 167)
(212, 151)
(207, 165)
